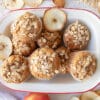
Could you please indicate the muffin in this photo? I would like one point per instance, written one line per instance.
(76, 36)
(82, 65)
(63, 54)
(44, 63)
(15, 69)
(28, 24)
(23, 45)
(49, 39)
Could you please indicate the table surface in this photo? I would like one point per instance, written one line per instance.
(47, 3)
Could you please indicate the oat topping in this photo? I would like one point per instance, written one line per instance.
(15, 69)
(83, 64)
(49, 39)
(44, 61)
(76, 36)
(23, 45)
(28, 24)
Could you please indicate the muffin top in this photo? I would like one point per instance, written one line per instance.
(82, 65)
(23, 45)
(49, 39)
(28, 24)
(15, 69)
(76, 36)
(44, 63)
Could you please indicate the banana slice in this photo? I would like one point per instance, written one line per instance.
(13, 4)
(89, 96)
(74, 98)
(54, 19)
(5, 48)
(33, 3)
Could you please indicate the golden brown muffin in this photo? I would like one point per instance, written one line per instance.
(82, 65)
(23, 45)
(49, 39)
(15, 69)
(44, 63)
(76, 36)
(63, 54)
(28, 24)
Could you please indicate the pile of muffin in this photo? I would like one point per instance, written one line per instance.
(45, 47)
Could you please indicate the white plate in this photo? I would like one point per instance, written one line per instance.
(61, 83)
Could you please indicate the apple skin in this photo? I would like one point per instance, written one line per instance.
(37, 96)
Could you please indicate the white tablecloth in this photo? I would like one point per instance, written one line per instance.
(47, 3)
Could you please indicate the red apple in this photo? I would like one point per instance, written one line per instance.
(37, 96)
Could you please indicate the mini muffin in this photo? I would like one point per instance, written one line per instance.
(44, 63)
(63, 54)
(76, 36)
(15, 69)
(82, 65)
(28, 24)
(49, 39)
(23, 45)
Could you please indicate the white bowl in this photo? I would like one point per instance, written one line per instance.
(61, 83)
